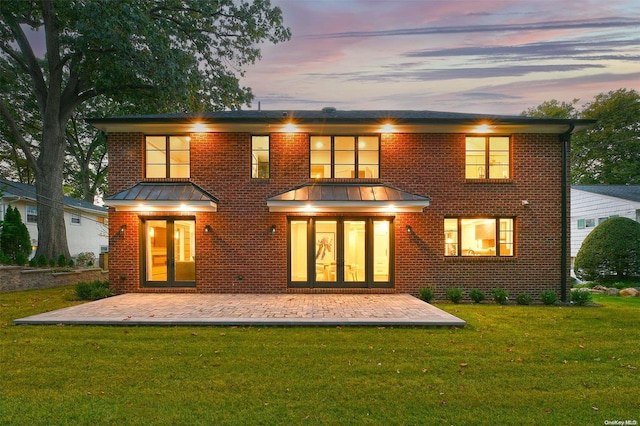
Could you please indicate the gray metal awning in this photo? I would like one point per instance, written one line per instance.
(163, 196)
(346, 197)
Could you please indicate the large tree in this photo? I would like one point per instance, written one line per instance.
(609, 151)
(187, 53)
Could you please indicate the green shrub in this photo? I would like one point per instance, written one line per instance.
(500, 296)
(581, 297)
(611, 249)
(70, 263)
(476, 295)
(454, 294)
(426, 294)
(93, 291)
(62, 260)
(21, 259)
(524, 299)
(548, 297)
(33, 262)
(42, 260)
(52, 262)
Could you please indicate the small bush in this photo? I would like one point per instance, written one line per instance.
(548, 297)
(93, 291)
(476, 295)
(42, 260)
(62, 260)
(524, 299)
(70, 263)
(21, 259)
(33, 262)
(454, 294)
(426, 294)
(581, 297)
(52, 263)
(500, 296)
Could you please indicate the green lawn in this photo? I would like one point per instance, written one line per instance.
(530, 365)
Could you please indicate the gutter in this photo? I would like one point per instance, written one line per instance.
(565, 138)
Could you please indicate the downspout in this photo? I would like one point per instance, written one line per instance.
(565, 138)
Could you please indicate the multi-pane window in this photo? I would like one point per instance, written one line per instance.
(75, 219)
(478, 236)
(260, 157)
(345, 157)
(168, 156)
(487, 157)
(32, 214)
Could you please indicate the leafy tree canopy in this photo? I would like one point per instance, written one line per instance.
(611, 249)
(609, 151)
(57, 55)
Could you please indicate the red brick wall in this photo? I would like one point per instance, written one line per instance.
(243, 256)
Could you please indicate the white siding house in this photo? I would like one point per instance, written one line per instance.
(593, 204)
(86, 223)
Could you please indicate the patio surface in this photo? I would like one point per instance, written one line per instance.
(252, 310)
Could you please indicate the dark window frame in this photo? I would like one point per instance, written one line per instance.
(167, 160)
(459, 251)
(356, 162)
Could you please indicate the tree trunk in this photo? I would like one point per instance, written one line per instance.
(52, 232)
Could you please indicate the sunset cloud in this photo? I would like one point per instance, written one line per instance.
(493, 56)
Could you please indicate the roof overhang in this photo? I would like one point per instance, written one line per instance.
(338, 122)
(181, 197)
(342, 198)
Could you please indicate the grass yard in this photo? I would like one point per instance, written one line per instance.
(524, 365)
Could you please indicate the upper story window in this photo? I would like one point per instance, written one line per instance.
(75, 219)
(487, 157)
(168, 156)
(260, 157)
(478, 236)
(32, 214)
(345, 157)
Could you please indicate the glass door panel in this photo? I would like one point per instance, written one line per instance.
(381, 250)
(184, 249)
(354, 250)
(156, 249)
(298, 250)
(325, 257)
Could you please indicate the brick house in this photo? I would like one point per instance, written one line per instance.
(338, 201)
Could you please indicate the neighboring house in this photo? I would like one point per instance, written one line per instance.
(338, 201)
(86, 223)
(593, 204)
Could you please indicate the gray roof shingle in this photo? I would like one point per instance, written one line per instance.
(625, 192)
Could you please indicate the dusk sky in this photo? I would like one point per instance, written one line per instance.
(483, 56)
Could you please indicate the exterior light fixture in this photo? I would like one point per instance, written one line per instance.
(409, 229)
(208, 229)
(525, 203)
(272, 229)
(122, 229)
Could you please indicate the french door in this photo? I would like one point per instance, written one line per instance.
(341, 252)
(169, 252)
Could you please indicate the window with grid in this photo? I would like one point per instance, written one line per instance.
(167, 156)
(345, 157)
(479, 237)
(260, 157)
(32, 214)
(487, 157)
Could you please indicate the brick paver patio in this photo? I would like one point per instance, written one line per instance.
(252, 309)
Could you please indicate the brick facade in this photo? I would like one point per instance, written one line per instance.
(241, 255)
